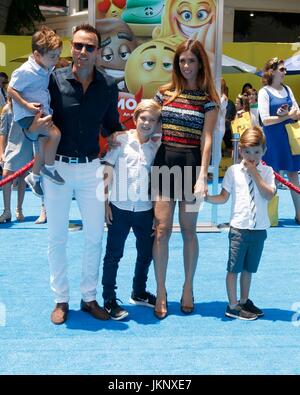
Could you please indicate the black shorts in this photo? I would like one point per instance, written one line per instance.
(174, 172)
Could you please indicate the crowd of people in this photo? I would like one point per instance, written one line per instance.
(57, 113)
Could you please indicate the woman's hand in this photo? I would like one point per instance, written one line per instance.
(283, 110)
(201, 188)
(2, 159)
(153, 227)
(293, 114)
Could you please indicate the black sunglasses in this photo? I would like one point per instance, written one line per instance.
(89, 47)
(282, 69)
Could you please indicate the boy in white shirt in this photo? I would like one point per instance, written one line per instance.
(28, 88)
(251, 185)
(129, 166)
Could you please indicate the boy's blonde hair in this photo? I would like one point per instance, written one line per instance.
(252, 137)
(45, 40)
(147, 105)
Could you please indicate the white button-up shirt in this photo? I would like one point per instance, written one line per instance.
(132, 163)
(31, 80)
(235, 182)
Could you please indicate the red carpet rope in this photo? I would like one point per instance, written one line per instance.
(17, 173)
(284, 181)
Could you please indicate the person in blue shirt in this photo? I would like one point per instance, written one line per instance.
(28, 88)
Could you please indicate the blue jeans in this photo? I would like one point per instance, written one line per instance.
(141, 223)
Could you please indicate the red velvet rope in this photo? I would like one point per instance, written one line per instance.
(284, 181)
(17, 173)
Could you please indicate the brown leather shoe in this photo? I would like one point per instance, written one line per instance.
(60, 313)
(94, 309)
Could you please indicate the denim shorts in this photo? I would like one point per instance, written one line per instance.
(245, 249)
(25, 124)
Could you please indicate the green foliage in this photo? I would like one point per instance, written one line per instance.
(22, 16)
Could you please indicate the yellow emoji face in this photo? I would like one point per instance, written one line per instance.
(150, 66)
(187, 16)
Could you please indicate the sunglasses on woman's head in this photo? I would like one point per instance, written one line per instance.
(274, 63)
(89, 47)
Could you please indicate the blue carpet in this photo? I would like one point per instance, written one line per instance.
(203, 343)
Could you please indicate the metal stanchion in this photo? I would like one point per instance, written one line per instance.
(235, 143)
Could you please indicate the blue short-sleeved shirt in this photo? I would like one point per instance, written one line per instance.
(31, 80)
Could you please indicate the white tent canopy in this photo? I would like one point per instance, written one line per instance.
(231, 65)
(292, 64)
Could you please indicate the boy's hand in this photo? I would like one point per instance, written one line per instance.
(34, 107)
(108, 214)
(251, 167)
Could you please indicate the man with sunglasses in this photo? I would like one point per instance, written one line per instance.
(83, 100)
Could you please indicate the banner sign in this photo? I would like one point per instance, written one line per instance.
(139, 39)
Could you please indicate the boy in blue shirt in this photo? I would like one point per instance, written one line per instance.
(29, 90)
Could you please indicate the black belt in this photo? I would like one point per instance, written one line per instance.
(74, 159)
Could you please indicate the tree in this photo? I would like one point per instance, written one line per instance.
(4, 8)
(22, 16)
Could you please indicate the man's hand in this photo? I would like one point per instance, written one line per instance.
(41, 123)
(112, 140)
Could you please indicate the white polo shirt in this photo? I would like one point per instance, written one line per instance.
(132, 163)
(31, 80)
(235, 182)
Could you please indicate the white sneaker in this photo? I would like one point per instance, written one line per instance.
(35, 186)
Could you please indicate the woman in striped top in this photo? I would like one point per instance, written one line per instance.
(189, 113)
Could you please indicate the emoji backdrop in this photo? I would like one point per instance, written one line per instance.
(139, 39)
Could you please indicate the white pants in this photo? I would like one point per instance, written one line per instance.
(82, 180)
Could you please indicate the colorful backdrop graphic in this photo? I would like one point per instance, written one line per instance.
(139, 40)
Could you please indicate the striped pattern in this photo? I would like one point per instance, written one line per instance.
(183, 118)
(252, 202)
